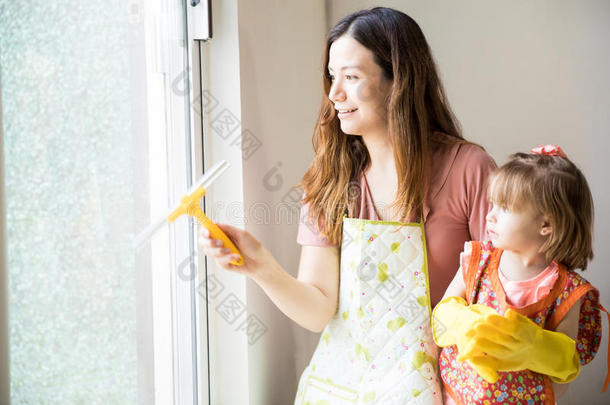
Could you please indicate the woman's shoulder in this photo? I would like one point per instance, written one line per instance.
(471, 163)
(451, 150)
(459, 160)
(471, 155)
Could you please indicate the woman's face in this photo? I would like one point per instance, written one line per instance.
(358, 88)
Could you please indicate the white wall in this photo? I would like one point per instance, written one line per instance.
(280, 52)
(228, 353)
(522, 73)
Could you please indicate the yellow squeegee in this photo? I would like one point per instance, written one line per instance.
(189, 204)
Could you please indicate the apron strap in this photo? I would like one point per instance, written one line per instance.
(608, 358)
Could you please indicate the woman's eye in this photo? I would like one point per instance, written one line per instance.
(347, 77)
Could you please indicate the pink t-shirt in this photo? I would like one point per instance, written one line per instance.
(454, 208)
(521, 293)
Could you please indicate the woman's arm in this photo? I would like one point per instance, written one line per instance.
(310, 300)
(568, 326)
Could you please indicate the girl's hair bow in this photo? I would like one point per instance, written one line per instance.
(549, 150)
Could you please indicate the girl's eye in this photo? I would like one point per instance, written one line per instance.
(501, 208)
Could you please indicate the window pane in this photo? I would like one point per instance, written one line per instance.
(73, 81)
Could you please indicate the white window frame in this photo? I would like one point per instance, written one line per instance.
(172, 153)
(181, 376)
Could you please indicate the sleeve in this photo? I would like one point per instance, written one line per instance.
(479, 169)
(308, 233)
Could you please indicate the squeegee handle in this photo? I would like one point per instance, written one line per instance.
(217, 233)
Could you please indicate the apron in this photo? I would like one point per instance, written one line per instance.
(378, 348)
(483, 286)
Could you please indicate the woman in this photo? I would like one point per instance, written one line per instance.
(386, 127)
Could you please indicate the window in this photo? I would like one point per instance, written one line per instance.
(97, 142)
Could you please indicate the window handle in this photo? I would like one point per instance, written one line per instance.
(199, 17)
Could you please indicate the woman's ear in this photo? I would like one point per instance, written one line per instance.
(546, 228)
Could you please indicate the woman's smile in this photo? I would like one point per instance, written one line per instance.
(346, 113)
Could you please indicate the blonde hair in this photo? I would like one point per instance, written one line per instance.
(557, 189)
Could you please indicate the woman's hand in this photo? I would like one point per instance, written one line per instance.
(257, 260)
(311, 300)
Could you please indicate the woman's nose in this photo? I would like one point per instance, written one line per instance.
(336, 93)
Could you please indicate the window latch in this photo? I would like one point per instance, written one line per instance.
(199, 17)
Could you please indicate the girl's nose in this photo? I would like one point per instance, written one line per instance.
(490, 217)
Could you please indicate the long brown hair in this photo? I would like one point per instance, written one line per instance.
(417, 109)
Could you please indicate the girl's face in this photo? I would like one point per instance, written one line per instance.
(358, 88)
(518, 231)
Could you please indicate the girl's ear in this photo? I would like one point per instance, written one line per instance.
(546, 228)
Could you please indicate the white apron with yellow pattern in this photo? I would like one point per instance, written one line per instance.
(378, 348)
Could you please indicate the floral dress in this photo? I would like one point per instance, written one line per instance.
(483, 286)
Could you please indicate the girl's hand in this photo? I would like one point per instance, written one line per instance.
(257, 260)
(514, 342)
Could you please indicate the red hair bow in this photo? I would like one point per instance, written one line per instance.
(549, 150)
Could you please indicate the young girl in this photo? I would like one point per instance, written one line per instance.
(517, 321)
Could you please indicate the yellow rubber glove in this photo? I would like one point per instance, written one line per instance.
(452, 319)
(514, 342)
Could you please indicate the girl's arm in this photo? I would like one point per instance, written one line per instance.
(310, 300)
(452, 318)
(456, 288)
(568, 326)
